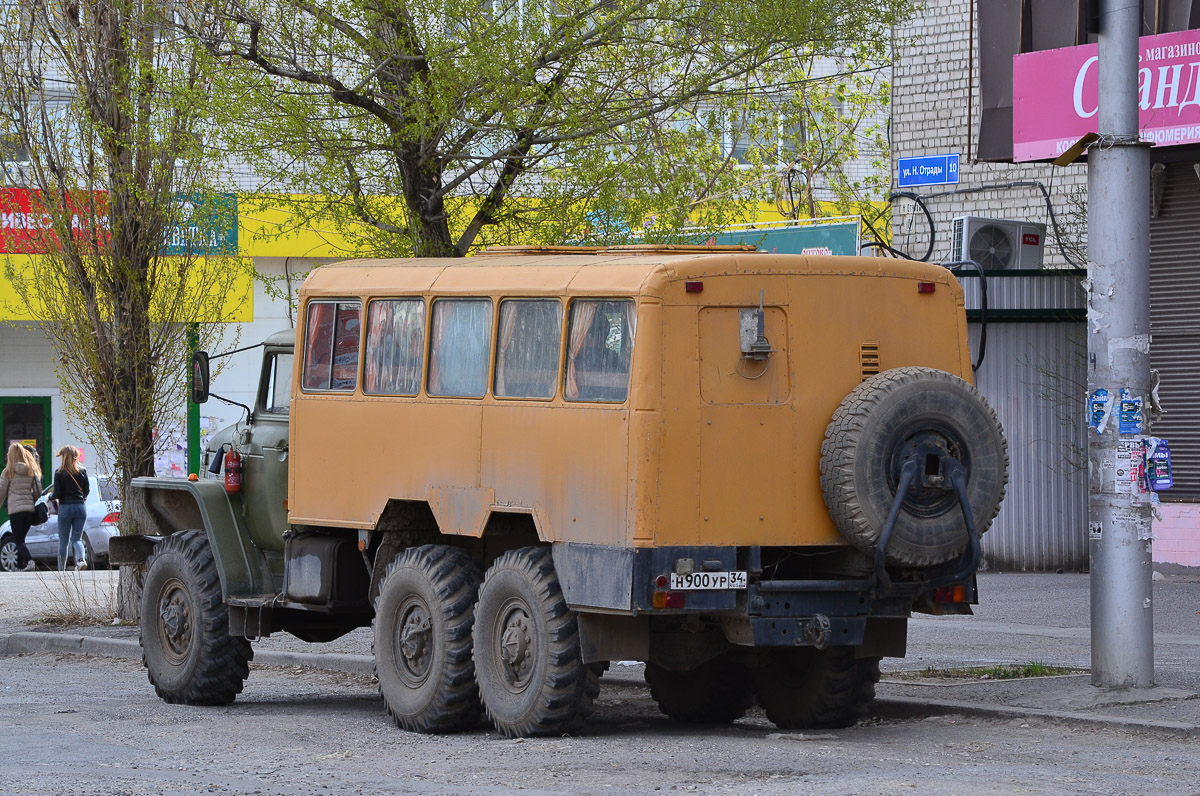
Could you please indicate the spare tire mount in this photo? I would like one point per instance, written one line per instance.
(948, 467)
(937, 422)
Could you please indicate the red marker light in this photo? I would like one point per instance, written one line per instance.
(926, 287)
(693, 287)
(950, 594)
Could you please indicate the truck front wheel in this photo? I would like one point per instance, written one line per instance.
(807, 688)
(423, 639)
(531, 675)
(189, 655)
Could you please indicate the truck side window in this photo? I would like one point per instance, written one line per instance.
(527, 350)
(395, 350)
(278, 399)
(459, 347)
(331, 345)
(600, 348)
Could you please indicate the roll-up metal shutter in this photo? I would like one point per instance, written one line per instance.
(1175, 323)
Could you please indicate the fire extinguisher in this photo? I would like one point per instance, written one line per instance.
(233, 471)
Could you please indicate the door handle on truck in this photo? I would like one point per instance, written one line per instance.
(280, 450)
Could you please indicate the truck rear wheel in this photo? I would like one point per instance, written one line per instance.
(807, 688)
(532, 678)
(716, 692)
(901, 414)
(189, 655)
(422, 639)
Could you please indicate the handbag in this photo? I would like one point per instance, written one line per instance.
(40, 513)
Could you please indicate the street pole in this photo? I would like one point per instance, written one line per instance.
(1119, 512)
(193, 409)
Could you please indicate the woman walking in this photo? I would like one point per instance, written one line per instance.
(20, 485)
(71, 491)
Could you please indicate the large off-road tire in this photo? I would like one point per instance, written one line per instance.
(718, 691)
(808, 688)
(531, 675)
(423, 641)
(884, 420)
(189, 655)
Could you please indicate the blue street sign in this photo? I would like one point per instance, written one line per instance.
(930, 170)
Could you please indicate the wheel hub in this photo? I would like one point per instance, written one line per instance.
(415, 637)
(413, 642)
(931, 492)
(516, 643)
(8, 557)
(175, 621)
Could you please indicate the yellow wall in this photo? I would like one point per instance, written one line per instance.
(294, 226)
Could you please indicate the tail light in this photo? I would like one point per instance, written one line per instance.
(950, 594)
(111, 518)
(669, 599)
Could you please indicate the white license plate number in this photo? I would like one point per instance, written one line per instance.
(700, 581)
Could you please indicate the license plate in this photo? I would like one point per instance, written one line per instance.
(695, 581)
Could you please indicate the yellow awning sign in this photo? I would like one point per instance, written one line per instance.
(229, 296)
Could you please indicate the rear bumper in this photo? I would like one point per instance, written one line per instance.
(774, 612)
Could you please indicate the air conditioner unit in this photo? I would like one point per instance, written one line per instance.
(998, 244)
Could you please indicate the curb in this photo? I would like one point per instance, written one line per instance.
(897, 707)
(911, 707)
(29, 642)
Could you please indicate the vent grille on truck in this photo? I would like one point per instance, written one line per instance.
(868, 358)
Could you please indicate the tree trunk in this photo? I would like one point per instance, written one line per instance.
(129, 592)
(428, 221)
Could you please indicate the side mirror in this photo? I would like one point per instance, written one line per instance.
(199, 377)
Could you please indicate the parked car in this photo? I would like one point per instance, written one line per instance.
(103, 512)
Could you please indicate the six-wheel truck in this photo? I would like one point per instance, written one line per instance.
(746, 470)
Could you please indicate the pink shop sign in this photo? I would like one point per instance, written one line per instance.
(1054, 95)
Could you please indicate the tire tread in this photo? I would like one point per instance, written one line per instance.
(455, 576)
(224, 660)
(716, 692)
(570, 686)
(837, 692)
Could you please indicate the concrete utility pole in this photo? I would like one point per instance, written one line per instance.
(1119, 515)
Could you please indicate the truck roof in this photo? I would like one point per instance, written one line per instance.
(631, 270)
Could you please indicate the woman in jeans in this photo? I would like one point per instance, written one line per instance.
(20, 485)
(71, 491)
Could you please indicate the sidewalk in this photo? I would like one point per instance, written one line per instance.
(1021, 619)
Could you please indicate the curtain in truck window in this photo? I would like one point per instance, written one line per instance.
(331, 345)
(600, 349)
(395, 350)
(527, 350)
(460, 341)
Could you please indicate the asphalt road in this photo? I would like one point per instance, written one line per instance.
(74, 725)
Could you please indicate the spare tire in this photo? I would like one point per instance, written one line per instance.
(896, 415)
